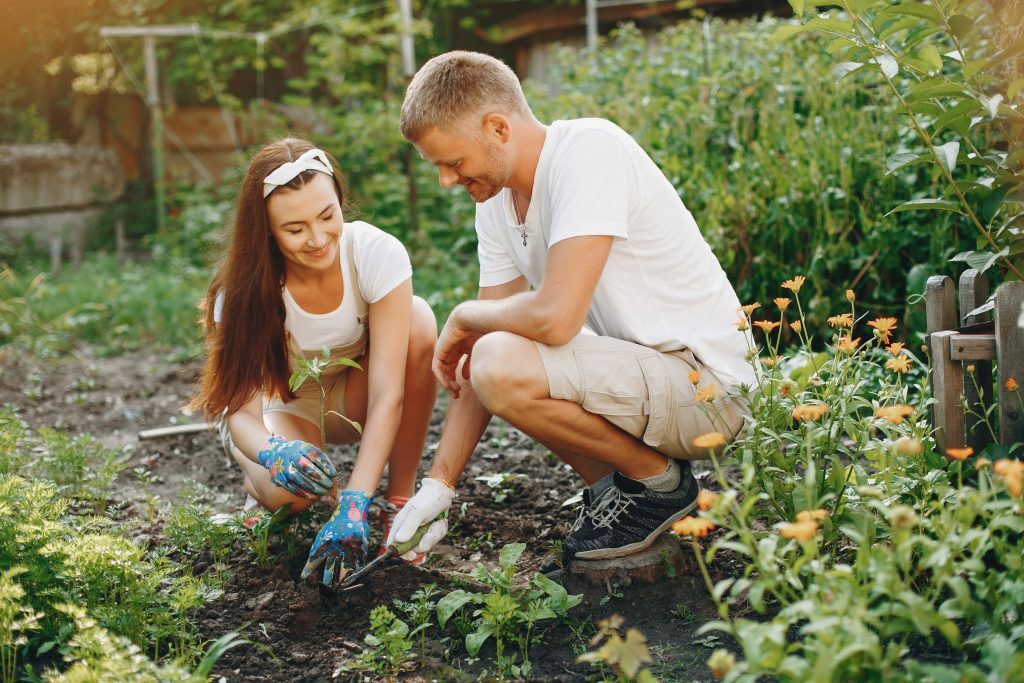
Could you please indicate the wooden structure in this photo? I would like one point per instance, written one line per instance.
(663, 559)
(979, 340)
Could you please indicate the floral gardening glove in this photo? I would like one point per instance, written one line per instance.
(300, 468)
(346, 534)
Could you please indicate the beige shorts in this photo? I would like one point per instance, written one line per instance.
(306, 405)
(644, 392)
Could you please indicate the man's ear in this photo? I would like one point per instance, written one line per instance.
(497, 126)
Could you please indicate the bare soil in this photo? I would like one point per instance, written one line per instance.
(312, 636)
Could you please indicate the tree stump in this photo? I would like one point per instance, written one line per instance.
(662, 559)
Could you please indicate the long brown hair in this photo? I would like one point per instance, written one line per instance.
(246, 352)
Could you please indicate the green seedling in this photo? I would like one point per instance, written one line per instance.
(502, 484)
(507, 613)
(313, 368)
(389, 643)
(419, 610)
(259, 535)
(17, 619)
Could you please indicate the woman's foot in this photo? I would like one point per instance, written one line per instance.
(258, 511)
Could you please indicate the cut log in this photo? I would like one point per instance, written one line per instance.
(662, 560)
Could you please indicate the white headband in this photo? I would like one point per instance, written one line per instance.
(313, 160)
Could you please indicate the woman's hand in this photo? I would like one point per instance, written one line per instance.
(344, 536)
(300, 468)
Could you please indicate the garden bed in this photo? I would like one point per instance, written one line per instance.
(310, 636)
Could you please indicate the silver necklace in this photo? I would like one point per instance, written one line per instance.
(519, 217)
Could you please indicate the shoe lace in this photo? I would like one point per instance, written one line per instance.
(609, 507)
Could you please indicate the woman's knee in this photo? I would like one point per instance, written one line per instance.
(422, 331)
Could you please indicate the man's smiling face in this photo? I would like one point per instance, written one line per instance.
(476, 162)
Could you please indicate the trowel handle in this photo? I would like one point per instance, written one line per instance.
(403, 548)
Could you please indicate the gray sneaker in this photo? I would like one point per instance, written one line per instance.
(627, 517)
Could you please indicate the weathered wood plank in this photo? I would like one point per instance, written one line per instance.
(976, 352)
(940, 303)
(948, 388)
(1010, 352)
(973, 347)
(175, 430)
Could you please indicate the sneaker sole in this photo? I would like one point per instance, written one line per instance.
(612, 553)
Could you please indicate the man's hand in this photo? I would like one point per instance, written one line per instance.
(343, 538)
(300, 468)
(454, 342)
(433, 498)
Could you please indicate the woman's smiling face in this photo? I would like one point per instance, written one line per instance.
(306, 223)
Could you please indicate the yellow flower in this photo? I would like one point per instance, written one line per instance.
(982, 463)
(883, 328)
(698, 527)
(721, 662)
(809, 411)
(766, 325)
(896, 348)
(1012, 472)
(841, 320)
(705, 499)
(709, 440)
(898, 364)
(782, 302)
(771, 362)
(802, 531)
(742, 324)
(970, 368)
(811, 515)
(850, 296)
(847, 345)
(693, 376)
(705, 394)
(1011, 384)
(796, 326)
(960, 453)
(750, 308)
(894, 414)
(795, 284)
(908, 446)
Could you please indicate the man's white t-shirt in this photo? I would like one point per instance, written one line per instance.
(662, 286)
(382, 263)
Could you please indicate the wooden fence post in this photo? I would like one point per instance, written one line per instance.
(977, 385)
(940, 307)
(1010, 357)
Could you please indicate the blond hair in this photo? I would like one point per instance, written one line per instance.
(452, 87)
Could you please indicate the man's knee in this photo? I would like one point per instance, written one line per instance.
(497, 371)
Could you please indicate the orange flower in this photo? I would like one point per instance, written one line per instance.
(709, 440)
(960, 453)
(809, 411)
(698, 527)
(771, 362)
(741, 324)
(896, 348)
(796, 326)
(811, 515)
(847, 345)
(841, 320)
(705, 394)
(782, 302)
(802, 531)
(894, 414)
(693, 376)
(766, 325)
(982, 463)
(795, 284)
(750, 308)
(850, 296)
(1012, 472)
(784, 389)
(883, 328)
(898, 364)
(1011, 384)
(705, 499)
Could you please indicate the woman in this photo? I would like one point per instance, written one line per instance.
(298, 279)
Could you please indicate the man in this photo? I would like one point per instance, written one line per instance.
(576, 225)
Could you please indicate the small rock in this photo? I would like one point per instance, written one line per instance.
(264, 600)
(231, 597)
(299, 657)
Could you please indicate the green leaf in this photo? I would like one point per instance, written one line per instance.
(887, 64)
(798, 7)
(844, 69)
(476, 639)
(510, 554)
(948, 154)
(1014, 88)
(930, 55)
(961, 25)
(962, 110)
(991, 104)
(980, 260)
(784, 33)
(933, 87)
(914, 8)
(829, 24)
(895, 25)
(449, 604)
(937, 204)
(902, 160)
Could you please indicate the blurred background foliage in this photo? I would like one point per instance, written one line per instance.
(783, 167)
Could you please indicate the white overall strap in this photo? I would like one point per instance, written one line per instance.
(362, 309)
